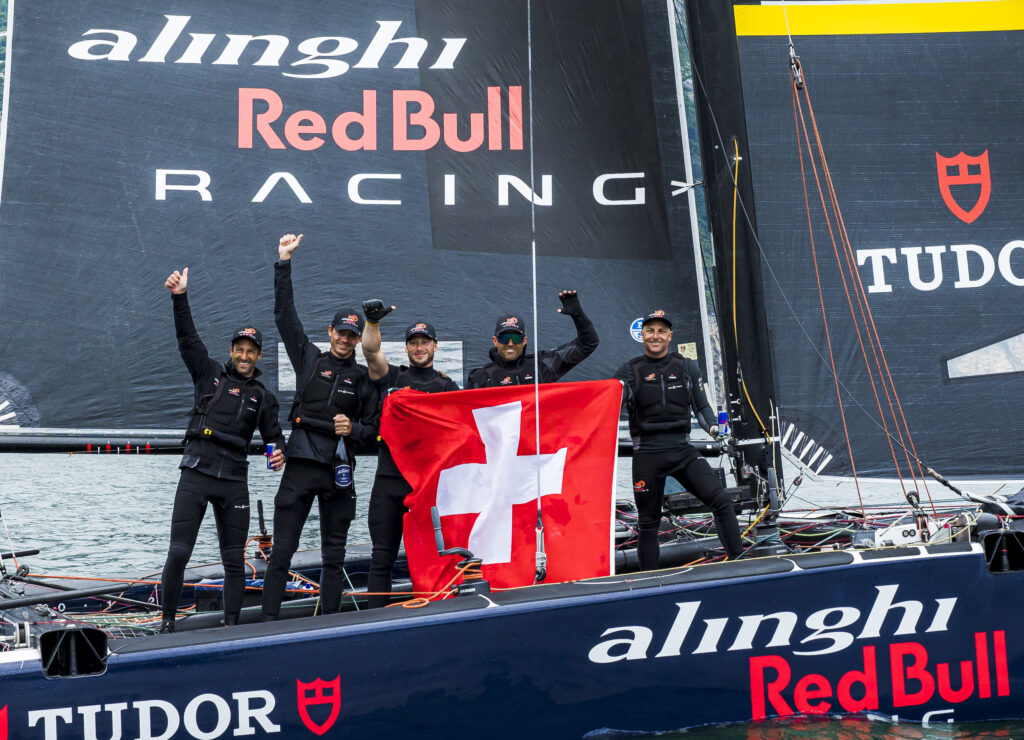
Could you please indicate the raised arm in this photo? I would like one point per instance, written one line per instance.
(193, 351)
(293, 335)
(569, 355)
(376, 362)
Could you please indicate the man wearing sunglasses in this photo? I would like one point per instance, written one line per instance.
(511, 364)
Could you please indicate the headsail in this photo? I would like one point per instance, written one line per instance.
(919, 115)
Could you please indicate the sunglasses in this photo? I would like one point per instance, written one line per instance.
(513, 337)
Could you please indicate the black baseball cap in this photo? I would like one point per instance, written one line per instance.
(348, 319)
(510, 322)
(421, 328)
(656, 315)
(253, 334)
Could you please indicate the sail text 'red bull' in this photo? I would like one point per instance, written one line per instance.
(911, 680)
(822, 632)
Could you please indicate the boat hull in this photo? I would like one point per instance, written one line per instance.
(916, 634)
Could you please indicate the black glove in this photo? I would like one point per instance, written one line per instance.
(374, 310)
(570, 303)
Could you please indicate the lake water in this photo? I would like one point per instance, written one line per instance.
(100, 514)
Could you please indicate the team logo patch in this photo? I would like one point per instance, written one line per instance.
(963, 170)
(248, 331)
(326, 373)
(671, 376)
(659, 312)
(234, 391)
(636, 330)
(252, 398)
(420, 327)
(652, 377)
(313, 696)
(347, 380)
(507, 380)
(640, 486)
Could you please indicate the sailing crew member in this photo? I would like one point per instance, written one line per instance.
(510, 363)
(334, 403)
(387, 500)
(230, 403)
(660, 389)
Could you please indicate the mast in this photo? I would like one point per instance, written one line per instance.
(721, 121)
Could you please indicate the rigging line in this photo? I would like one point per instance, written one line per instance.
(802, 128)
(541, 555)
(862, 302)
(872, 330)
(735, 330)
(824, 317)
(775, 278)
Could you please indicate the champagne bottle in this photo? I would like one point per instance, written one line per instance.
(342, 467)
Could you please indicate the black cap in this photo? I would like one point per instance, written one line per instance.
(510, 322)
(248, 332)
(421, 328)
(657, 315)
(348, 319)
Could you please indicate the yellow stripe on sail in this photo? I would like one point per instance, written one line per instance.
(879, 18)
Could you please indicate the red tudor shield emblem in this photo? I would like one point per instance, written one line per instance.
(964, 170)
(314, 694)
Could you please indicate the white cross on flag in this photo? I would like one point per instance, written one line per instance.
(473, 455)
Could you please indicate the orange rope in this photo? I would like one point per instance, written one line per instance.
(821, 300)
(864, 308)
(862, 302)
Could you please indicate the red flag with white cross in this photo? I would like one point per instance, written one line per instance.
(473, 455)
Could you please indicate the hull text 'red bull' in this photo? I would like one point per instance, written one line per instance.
(913, 681)
(780, 685)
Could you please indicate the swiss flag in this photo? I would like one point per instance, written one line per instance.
(473, 455)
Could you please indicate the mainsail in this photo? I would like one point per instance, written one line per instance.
(144, 138)
(919, 108)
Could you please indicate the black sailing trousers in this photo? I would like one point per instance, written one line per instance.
(303, 481)
(649, 472)
(387, 507)
(230, 499)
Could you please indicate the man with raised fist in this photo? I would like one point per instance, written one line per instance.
(387, 501)
(511, 364)
(335, 408)
(229, 404)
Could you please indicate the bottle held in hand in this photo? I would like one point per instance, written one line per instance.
(342, 467)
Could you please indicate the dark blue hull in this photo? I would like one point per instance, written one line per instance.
(919, 634)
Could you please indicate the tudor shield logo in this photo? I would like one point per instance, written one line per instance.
(957, 172)
(321, 700)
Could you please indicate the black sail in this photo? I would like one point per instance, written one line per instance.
(919, 115)
(140, 139)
